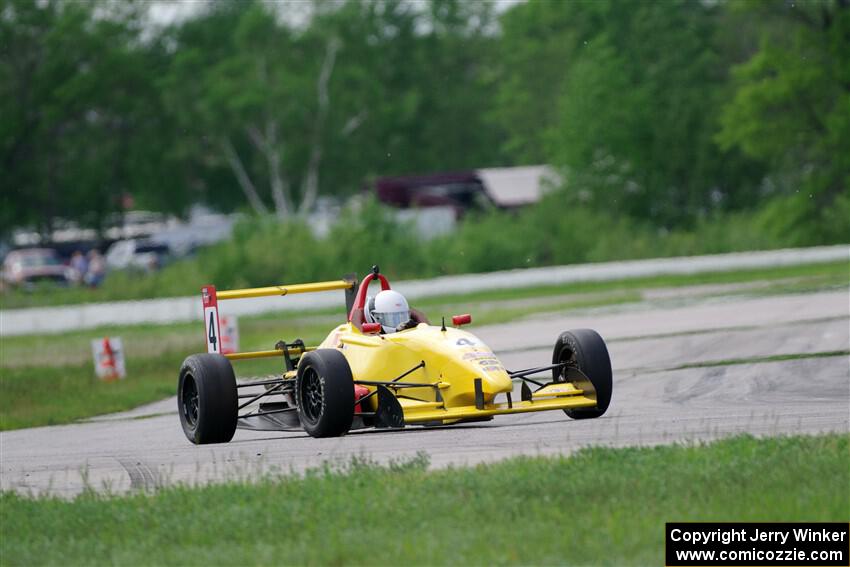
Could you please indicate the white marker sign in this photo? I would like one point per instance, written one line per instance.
(108, 358)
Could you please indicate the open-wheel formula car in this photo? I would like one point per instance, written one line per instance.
(360, 377)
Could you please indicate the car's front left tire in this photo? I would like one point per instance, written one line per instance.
(207, 399)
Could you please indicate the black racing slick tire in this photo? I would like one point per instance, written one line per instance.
(324, 393)
(585, 349)
(207, 399)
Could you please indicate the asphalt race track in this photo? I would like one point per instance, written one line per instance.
(673, 381)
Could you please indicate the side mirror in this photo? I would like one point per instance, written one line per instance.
(464, 319)
(371, 328)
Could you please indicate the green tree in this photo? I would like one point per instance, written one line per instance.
(253, 102)
(537, 43)
(625, 96)
(79, 113)
(791, 109)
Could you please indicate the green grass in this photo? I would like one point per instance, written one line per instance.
(599, 506)
(53, 395)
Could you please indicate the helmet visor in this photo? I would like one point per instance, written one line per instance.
(392, 319)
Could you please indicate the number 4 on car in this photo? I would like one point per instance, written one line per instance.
(365, 374)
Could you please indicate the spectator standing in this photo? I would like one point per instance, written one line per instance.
(80, 266)
(96, 269)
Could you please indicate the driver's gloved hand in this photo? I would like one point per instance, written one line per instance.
(408, 325)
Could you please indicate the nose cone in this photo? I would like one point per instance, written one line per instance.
(478, 361)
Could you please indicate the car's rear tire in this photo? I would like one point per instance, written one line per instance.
(324, 393)
(585, 349)
(207, 399)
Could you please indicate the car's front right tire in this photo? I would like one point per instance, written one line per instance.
(324, 393)
(585, 350)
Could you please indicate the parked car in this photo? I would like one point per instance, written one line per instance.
(137, 254)
(28, 266)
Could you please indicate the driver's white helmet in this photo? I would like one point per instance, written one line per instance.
(390, 309)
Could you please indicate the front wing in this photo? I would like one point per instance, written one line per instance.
(550, 397)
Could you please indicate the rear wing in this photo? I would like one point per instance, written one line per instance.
(212, 328)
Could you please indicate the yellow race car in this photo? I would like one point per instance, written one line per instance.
(361, 377)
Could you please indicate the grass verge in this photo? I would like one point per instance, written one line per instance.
(54, 395)
(599, 506)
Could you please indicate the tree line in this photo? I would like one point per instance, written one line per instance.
(664, 112)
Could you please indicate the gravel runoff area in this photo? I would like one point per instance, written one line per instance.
(181, 309)
(684, 371)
